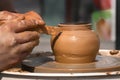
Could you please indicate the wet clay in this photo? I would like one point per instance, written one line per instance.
(75, 43)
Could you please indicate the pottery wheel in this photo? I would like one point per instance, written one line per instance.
(47, 64)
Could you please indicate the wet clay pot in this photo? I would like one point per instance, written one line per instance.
(75, 43)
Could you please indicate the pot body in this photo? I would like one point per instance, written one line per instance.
(75, 44)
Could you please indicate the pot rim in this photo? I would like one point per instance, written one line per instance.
(74, 24)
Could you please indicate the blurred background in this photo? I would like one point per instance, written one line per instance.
(100, 13)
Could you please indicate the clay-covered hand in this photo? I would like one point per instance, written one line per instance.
(6, 16)
(17, 38)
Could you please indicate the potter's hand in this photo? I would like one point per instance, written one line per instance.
(17, 40)
(6, 16)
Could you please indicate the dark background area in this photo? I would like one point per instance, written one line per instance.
(58, 11)
(117, 24)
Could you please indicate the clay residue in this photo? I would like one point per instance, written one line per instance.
(114, 52)
(17, 70)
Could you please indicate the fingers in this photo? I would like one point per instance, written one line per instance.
(6, 15)
(26, 36)
(22, 25)
(27, 25)
(23, 55)
(26, 47)
(34, 15)
(31, 15)
(21, 22)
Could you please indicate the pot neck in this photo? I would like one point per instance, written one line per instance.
(75, 26)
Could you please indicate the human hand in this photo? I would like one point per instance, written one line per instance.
(17, 39)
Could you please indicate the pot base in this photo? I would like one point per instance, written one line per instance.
(46, 64)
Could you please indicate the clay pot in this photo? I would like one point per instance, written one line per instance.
(74, 43)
